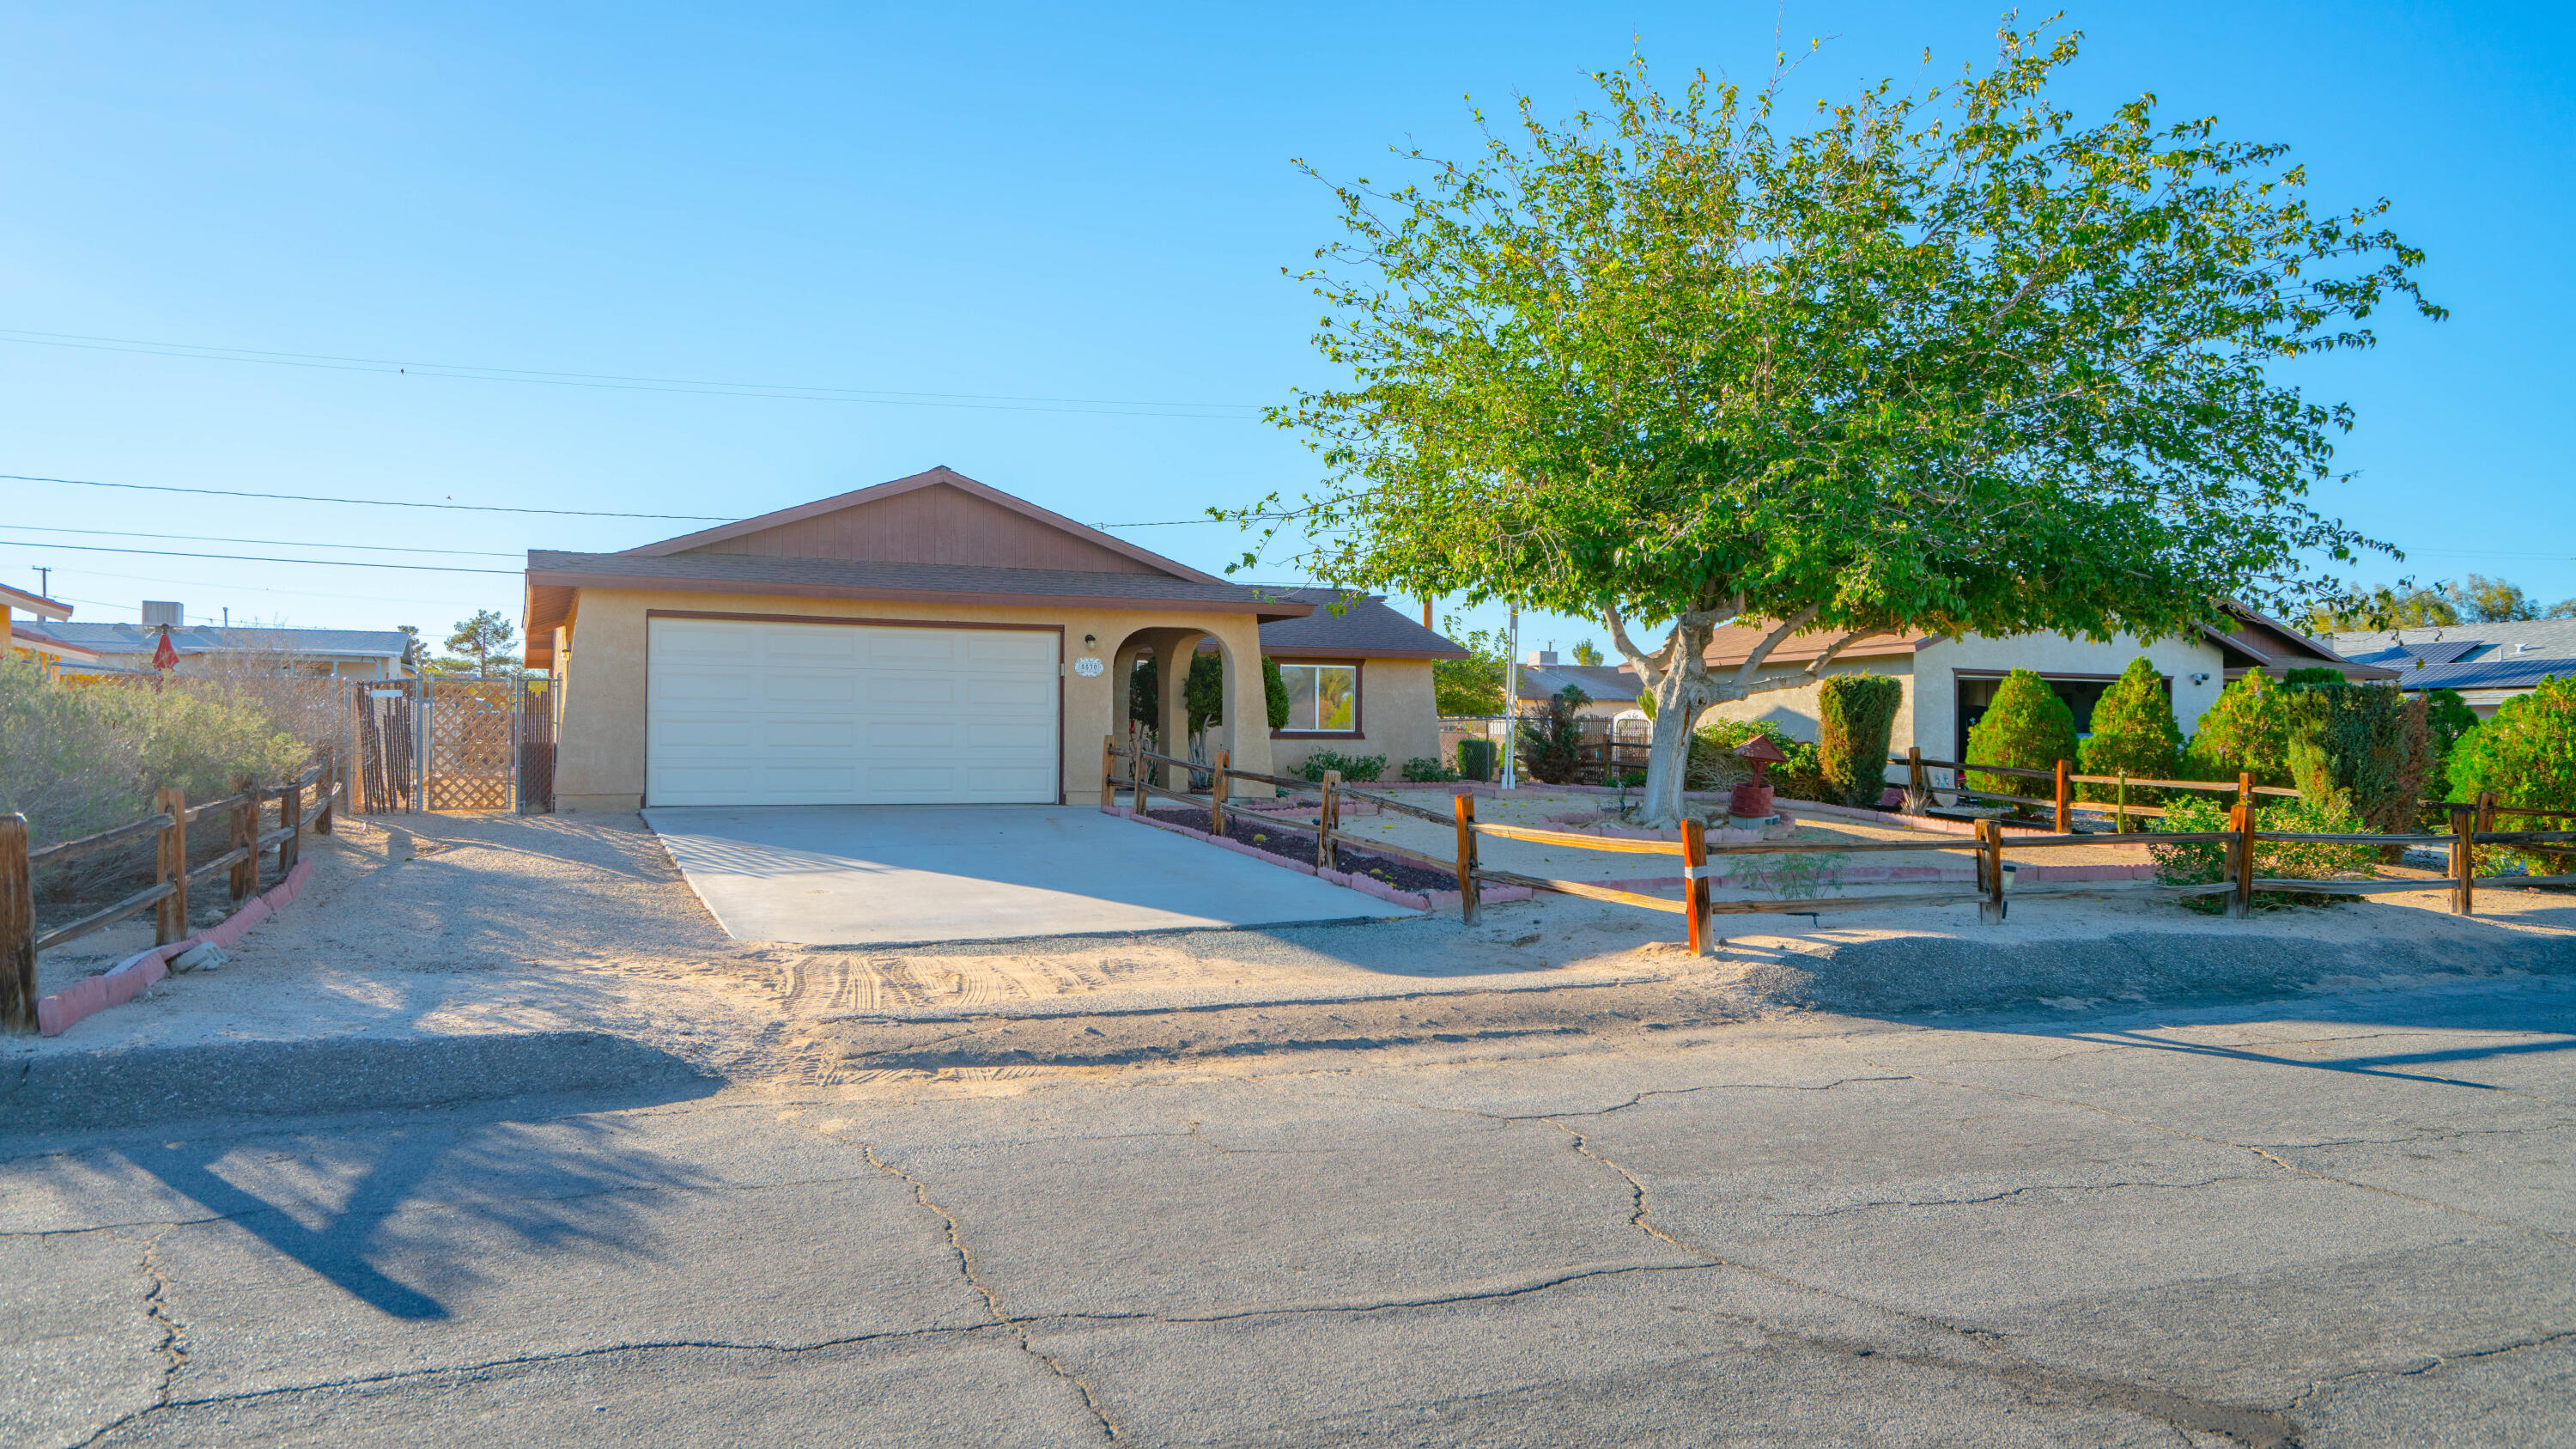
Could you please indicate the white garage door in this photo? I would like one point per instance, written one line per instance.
(744, 713)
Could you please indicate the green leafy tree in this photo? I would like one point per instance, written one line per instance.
(2526, 754)
(1587, 653)
(1857, 715)
(2133, 733)
(2493, 601)
(2385, 607)
(2027, 728)
(1675, 362)
(2248, 730)
(1473, 685)
(2449, 718)
(485, 635)
(1202, 693)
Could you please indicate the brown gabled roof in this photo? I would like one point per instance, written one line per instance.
(2263, 642)
(1732, 644)
(938, 476)
(1365, 629)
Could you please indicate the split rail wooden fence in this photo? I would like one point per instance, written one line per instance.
(303, 803)
(2472, 826)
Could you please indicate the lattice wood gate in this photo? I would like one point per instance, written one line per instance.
(473, 744)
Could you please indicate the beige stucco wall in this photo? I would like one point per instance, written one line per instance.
(1936, 711)
(1397, 716)
(599, 761)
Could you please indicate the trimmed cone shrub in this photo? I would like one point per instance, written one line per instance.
(1858, 713)
(1476, 759)
(2526, 754)
(2133, 734)
(2027, 727)
(2248, 729)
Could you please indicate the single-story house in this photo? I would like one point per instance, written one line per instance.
(114, 651)
(2487, 663)
(1949, 681)
(29, 642)
(926, 640)
(1359, 679)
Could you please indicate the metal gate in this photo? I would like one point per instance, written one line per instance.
(537, 704)
(453, 744)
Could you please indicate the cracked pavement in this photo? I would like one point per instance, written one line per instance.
(2328, 1222)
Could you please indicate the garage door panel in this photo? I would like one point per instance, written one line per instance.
(789, 714)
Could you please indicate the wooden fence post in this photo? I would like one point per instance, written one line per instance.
(1328, 819)
(2241, 858)
(1466, 802)
(330, 782)
(2464, 859)
(1695, 881)
(1990, 834)
(290, 818)
(2245, 789)
(2065, 806)
(245, 873)
(170, 867)
(17, 928)
(1914, 772)
(1108, 772)
(1217, 792)
(2120, 820)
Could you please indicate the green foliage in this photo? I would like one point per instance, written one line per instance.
(2248, 729)
(1857, 713)
(1680, 360)
(1476, 759)
(1426, 770)
(2365, 743)
(2205, 862)
(1354, 768)
(2028, 728)
(1550, 741)
(1202, 692)
(1587, 653)
(2526, 754)
(1473, 685)
(1274, 694)
(2450, 719)
(1714, 765)
(2307, 678)
(2478, 600)
(2133, 734)
(1799, 877)
(486, 634)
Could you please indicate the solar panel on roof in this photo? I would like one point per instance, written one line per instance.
(2443, 651)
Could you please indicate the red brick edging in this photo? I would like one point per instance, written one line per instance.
(1367, 885)
(129, 979)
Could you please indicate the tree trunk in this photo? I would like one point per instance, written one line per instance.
(1668, 754)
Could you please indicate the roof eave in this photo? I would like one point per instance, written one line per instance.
(1263, 610)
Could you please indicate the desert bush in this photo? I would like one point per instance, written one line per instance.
(2027, 728)
(1551, 740)
(2366, 743)
(2133, 734)
(1422, 769)
(2205, 862)
(1857, 714)
(1714, 765)
(1354, 768)
(2247, 730)
(2526, 754)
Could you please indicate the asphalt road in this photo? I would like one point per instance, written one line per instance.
(2337, 1222)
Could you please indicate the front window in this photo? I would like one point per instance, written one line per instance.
(1323, 699)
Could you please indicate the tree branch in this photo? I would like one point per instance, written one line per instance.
(1773, 640)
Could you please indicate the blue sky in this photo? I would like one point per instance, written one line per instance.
(1000, 202)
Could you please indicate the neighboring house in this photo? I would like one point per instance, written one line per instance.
(125, 650)
(926, 641)
(1359, 680)
(2487, 663)
(1949, 682)
(29, 642)
(1612, 689)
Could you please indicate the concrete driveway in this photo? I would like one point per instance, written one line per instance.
(873, 875)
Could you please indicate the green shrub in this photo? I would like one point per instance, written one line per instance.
(2205, 862)
(2248, 729)
(2133, 734)
(1202, 693)
(1714, 764)
(2367, 743)
(2450, 719)
(1857, 713)
(2027, 727)
(1274, 694)
(1476, 759)
(1354, 768)
(1425, 770)
(1550, 741)
(2526, 755)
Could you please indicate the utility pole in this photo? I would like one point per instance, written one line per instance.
(1511, 707)
(45, 583)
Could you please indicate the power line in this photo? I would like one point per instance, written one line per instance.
(1002, 402)
(271, 542)
(334, 563)
(370, 502)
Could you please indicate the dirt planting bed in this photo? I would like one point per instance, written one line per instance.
(1354, 856)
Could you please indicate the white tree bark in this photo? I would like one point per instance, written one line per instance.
(1678, 677)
